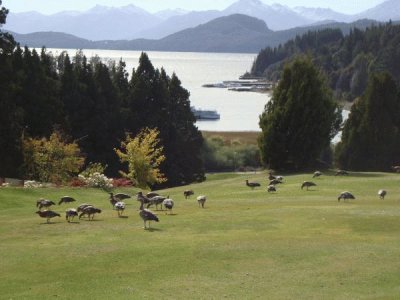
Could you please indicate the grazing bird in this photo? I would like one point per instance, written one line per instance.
(201, 200)
(66, 199)
(121, 196)
(151, 194)
(168, 204)
(345, 196)
(90, 211)
(382, 194)
(156, 200)
(188, 193)
(341, 172)
(271, 188)
(146, 215)
(307, 184)
(252, 184)
(280, 178)
(396, 169)
(82, 207)
(120, 207)
(70, 214)
(142, 198)
(44, 203)
(48, 214)
(275, 182)
(317, 174)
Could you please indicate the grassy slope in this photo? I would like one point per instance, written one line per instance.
(245, 244)
(245, 137)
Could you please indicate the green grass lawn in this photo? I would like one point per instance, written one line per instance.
(246, 244)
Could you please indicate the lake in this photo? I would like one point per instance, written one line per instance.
(239, 110)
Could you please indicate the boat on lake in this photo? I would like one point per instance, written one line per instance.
(201, 114)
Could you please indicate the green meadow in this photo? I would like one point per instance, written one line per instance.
(245, 244)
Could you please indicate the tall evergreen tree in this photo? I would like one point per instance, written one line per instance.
(300, 119)
(371, 135)
(10, 114)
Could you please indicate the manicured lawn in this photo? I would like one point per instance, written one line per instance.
(246, 244)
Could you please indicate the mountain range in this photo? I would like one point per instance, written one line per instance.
(236, 33)
(132, 22)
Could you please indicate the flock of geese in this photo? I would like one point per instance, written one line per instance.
(117, 203)
(274, 180)
(154, 199)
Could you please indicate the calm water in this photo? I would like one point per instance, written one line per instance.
(239, 110)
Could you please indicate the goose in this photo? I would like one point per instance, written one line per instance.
(168, 204)
(44, 203)
(275, 182)
(317, 174)
(66, 199)
(48, 214)
(307, 184)
(121, 196)
(90, 211)
(82, 207)
(151, 194)
(252, 184)
(146, 215)
(341, 172)
(188, 193)
(345, 195)
(382, 194)
(201, 200)
(156, 200)
(120, 207)
(70, 214)
(271, 188)
(270, 176)
(141, 197)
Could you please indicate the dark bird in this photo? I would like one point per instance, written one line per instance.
(142, 198)
(271, 188)
(83, 206)
(146, 215)
(151, 194)
(188, 193)
(382, 194)
(341, 172)
(66, 199)
(252, 184)
(121, 196)
(317, 174)
(275, 182)
(270, 176)
(201, 200)
(48, 214)
(156, 200)
(70, 214)
(44, 203)
(90, 211)
(113, 200)
(168, 204)
(345, 196)
(120, 207)
(307, 184)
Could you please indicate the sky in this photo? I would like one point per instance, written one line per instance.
(53, 6)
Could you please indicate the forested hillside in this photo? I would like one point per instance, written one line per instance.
(347, 60)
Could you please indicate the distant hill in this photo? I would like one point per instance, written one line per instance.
(236, 33)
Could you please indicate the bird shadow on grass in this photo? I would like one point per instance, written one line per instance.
(123, 217)
(152, 229)
(74, 222)
(173, 214)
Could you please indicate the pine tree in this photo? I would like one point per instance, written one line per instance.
(371, 135)
(300, 119)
